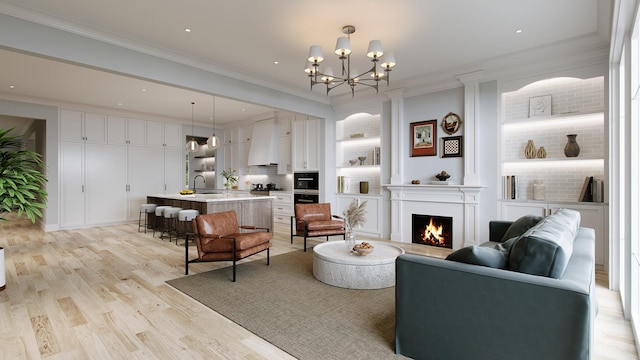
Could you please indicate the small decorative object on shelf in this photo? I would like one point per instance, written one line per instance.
(540, 106)
(530, 150)
(354, 216)
(572, 149)
(542, 153)
(352, 162)
(356, 135)
(443, 175)
(415, 182)
(343, 184)
(538, 190)
(364, 187)
(362, 159)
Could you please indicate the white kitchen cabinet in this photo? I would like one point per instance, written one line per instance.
(83, 127)
(373, 225)
(284, 155)
(591, 215)
(231, 136)
(164, 135)
(146, 176)
(230, 161)
(123, 131)
(93, 184)
(282, 207)
(306, 139)
(284, 125)
(243, 157)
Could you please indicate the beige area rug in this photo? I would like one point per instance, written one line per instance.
(285, 305)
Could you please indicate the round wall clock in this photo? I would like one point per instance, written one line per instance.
(451, 123)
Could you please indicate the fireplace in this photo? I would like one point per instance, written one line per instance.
(432, 230)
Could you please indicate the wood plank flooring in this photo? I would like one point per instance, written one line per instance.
(100, 293)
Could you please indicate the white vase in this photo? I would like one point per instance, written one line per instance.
(3, 280)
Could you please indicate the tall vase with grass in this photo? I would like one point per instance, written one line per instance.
(22, 181)
(354, 216)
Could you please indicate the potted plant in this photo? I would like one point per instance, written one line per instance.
(21, 183)
(230, 178)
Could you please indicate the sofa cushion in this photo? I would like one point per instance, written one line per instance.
(520, 226)
(545, 248)
(478, 255)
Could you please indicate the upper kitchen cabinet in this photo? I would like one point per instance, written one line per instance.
(83, 127)
(123, 131)
(306, 139)
(164, 135)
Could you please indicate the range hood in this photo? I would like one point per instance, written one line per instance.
(263, 150)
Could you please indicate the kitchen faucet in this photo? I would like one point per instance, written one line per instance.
(194, 181)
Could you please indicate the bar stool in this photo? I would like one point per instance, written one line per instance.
(159, 217)
(145, 209)
(184, 219)
(170, 221)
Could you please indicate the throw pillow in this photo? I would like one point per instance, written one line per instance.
(478, 255)
(521, 226)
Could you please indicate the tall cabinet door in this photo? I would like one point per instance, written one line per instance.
(174, 170)
(146, 177)
(72, 184)
(106, 184)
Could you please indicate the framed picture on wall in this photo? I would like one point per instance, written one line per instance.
(540, 106)
(451, 146)
(423, 138)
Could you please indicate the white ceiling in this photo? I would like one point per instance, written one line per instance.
(242, 39)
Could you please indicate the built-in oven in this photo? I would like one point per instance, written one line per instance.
(305, 181)
(306, 188)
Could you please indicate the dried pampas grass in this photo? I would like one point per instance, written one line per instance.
(354, 215)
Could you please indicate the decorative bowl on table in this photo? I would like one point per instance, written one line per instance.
(363, 248)
(442, 176)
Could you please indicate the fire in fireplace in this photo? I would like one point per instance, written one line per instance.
(432, 230)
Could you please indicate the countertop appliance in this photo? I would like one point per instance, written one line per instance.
(306, 188)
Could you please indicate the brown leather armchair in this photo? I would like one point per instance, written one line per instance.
(219, 238)
(313, 220)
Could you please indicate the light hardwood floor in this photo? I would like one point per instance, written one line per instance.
(100, 293)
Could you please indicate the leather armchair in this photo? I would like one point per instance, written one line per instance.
(219, 238)
(314, 220)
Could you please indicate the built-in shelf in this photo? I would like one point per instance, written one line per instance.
(356, 167)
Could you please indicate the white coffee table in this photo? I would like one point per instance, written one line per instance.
(334, 265)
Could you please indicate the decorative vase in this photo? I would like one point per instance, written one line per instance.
(572, 149)
(349, 240)
(530, 150)
(3, 280)
(542, 153)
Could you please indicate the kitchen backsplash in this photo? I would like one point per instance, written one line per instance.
(266, 175)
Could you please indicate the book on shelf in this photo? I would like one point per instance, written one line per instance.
(586, 194)
(510, 187)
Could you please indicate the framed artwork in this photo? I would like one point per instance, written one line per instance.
(540, 106)
(451, 123)
(423, 138)
(452, 146)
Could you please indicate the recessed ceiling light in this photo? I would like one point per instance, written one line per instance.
(187, 29)
(119, 104)
(144, 90)
(519, 31)
(243, 109)
(12, 86)
(276, 62)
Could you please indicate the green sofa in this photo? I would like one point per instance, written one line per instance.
(539, 304)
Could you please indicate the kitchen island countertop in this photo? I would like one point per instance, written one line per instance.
(231, 196)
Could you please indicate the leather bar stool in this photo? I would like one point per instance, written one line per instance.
(170, 221)
(145, 210)
(158, 220)
(184, 220)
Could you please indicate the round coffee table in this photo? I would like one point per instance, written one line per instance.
(334, 265)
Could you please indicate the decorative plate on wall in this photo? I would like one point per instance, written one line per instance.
(451, 123)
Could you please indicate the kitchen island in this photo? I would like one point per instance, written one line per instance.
(250, 209)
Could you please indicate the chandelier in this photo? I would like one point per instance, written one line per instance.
(348, 76)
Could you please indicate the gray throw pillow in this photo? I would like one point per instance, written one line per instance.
(521, 226)
(478, 255)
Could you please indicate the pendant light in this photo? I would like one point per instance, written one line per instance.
(192, 145)
(213, 142)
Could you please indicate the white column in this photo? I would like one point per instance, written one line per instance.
(471, 118)
(398, 150)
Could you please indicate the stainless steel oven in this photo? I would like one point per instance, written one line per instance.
(306, 188)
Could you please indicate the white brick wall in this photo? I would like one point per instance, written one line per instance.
(563, 178)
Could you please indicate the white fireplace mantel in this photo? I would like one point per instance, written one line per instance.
(457, 201)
